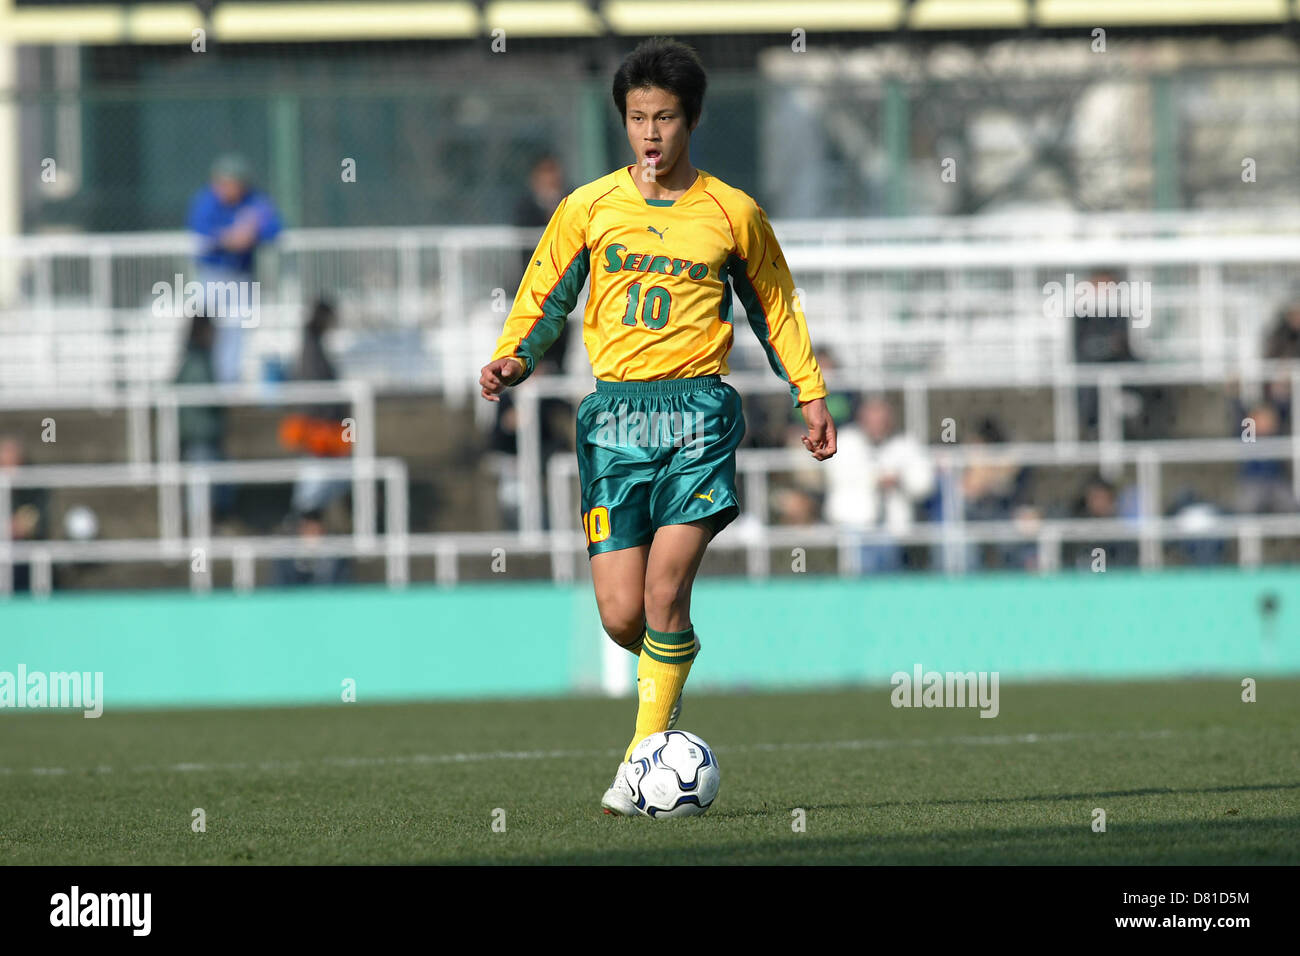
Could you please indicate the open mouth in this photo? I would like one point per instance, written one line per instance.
(653, 156)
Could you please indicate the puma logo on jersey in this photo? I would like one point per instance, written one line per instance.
(708, 497)
(657, 232)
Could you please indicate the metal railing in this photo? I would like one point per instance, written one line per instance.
(174, 480)
(197, 479)
(423, 307)
(1111, 450)
(564, 546)
(1150, 529)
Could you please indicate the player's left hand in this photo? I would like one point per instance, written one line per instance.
(820, 440)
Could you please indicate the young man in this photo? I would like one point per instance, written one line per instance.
(664, 244)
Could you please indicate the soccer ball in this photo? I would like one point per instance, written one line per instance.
(673, 774)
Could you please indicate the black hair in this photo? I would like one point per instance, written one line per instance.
(990, 431)
(539, 158)
(321, 317)
(668, 64)
(1096, 480)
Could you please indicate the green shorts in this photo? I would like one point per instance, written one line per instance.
(657, 453)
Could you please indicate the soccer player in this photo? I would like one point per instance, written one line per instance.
(664, 244)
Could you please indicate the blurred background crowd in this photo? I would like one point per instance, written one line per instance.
(383, 196)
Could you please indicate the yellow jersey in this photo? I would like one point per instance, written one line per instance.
(662, 274)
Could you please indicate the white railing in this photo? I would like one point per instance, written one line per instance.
(197, 479)
(423, 306)
(1110, 450)
(165, 402)
(1151, 529)
(565, 547)
(173, 480)
(1050, 224)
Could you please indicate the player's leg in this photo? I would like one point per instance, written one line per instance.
(615, 481)
(619, 579)
(673, 561)
(615, 477)
(693, 498)
(670, 645)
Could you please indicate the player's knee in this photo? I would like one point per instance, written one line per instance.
(666, 597)
(623, 624)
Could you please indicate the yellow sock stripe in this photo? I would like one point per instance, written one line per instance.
(669, 648)
(661, 646)
(675, 656)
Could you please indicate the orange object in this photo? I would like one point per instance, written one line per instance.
(316, 436)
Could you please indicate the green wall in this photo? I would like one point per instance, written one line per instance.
(282, 647)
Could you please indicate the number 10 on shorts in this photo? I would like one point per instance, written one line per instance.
(595, 524)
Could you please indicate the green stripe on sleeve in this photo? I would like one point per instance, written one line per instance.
(556, 307)
(757, 316)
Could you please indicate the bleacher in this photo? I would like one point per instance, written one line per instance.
(944, 317)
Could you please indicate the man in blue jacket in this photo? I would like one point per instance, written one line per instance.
(231, 219)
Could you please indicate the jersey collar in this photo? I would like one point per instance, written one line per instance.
(629, 186)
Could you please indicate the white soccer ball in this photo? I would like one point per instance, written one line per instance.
(673, 774)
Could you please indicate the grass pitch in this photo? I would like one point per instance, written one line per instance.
(1185, 772)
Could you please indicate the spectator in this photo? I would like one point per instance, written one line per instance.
(1101, 335)
(1283, 343)
(794, 507)
(534, 209)
(1100, 500)
(1263, 486)
(317, 429)
(203, 427)
(30, 507)
(310, 570)
(1191, 512)
(996, 488)
(875, 481)
(991, 483)
(1100, 332)
(314, 364)
(230, 219)
(1283, 339)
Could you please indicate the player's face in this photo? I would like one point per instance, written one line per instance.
(657, 130)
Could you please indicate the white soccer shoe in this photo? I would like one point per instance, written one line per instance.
(618, 800)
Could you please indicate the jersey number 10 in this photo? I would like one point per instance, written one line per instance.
(654, 312)
(595, 523)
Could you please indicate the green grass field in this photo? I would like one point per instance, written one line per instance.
(1185, 771)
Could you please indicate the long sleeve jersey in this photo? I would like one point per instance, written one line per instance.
(662, 279)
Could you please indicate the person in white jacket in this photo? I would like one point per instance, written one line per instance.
(876, 480)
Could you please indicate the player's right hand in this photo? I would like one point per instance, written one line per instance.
(496, 375)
